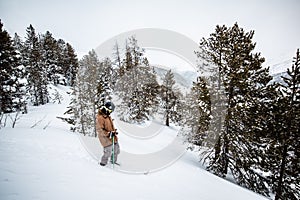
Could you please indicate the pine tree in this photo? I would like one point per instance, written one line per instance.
(147, 91)
(62, 59)
(79, 106)
(117, 57)
(137, 87)
(70, 66)
(105, 82)
(89, 67)
(199, 113)
(34, 69)
(10, 88)
(18, 44)
(67, 62)
(49, 55)
(19, 47)
(244, 81)
(170, 99)
(91, 90)
(283, 148)
(128, 60)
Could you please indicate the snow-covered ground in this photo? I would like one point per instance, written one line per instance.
(41, 159)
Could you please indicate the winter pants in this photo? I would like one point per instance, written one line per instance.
(107, 153)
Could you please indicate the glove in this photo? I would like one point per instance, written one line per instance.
(112, 134)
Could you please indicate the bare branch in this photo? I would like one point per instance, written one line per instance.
(38, 122)
(15, 118)
(47, 125)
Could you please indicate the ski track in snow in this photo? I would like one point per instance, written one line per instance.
(51, 163)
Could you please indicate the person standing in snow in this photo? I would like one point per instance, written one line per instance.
(106, 133)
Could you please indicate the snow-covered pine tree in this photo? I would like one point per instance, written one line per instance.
(139, 96)
(18, 45)
(34, 69)
(117, 58)
(87, 88)
(11, 95)
(70, 65)
(128, 63)
(283, 148)
(62, 60)
(252, 118)
(67, 62)
(105, 82)
(170, 98)
(91, 89)
(231, 51)
(137, 87)
(198, 117)
(77, 107)
(57, 97)
(49, 55)
(148, 92)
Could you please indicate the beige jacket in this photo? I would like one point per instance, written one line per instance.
(104, 126)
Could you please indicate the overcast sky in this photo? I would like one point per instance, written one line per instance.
(86, 24)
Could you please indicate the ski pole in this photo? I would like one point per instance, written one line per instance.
(113, 151)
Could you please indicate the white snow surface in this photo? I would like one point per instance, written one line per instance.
(41, 159)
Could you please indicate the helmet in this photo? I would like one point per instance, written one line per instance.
(110, 106)
(107, 108)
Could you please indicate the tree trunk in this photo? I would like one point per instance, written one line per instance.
(282, 170)
(167, 120)
(167, 110)
(95, 115)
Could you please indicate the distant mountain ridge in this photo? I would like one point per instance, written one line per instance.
(184, 79)
(280, 67)
(279, 70)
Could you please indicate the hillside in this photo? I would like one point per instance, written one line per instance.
(41, 159)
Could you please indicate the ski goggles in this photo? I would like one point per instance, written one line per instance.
(106, 109)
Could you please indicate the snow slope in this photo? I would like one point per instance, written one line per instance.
(41, 159)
